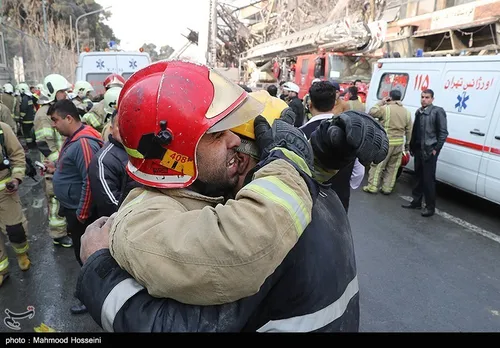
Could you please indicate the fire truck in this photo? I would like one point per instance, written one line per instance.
(342, 68)
(338, 50)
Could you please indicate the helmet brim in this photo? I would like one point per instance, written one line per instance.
(248, 109)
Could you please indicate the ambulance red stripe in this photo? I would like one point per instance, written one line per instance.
(473, 146)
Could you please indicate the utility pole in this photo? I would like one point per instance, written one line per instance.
(45, 22)
(212, 42)
(76, 25)
(71, 32)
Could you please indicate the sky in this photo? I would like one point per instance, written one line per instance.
(160, 22)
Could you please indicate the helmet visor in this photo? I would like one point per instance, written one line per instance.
(247, 109)
(231, 103)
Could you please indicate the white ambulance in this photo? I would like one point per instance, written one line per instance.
(468, 88)
(94, 67)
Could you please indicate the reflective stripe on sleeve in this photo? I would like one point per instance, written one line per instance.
(3, 182)
(275, 190)
(17, 170)
(316, 320)
(299, 161)
(54, 156)
(4, 264)
(44, 132)
(92, 119)
(115, 300)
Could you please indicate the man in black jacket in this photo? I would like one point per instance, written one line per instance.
(109, 181)
(428, 137)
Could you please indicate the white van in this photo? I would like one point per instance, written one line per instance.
(94, 67)
(468, 88)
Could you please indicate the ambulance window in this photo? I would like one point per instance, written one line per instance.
(97, 80)
(126, 75)
(390, 81)
(305, 66)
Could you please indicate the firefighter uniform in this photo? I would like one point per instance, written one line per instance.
(340, 106)
(12, 103)
(96, 117)
(83, 105)
(49, 142)
(12, 219)
(397, 122)
(207, 258)
(356, 105)
(27, 112)
(6, 117)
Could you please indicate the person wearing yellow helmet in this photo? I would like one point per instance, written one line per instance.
(337, 276)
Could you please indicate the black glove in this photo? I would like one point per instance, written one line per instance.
(282, 134)
(89, 107)
(350, 135)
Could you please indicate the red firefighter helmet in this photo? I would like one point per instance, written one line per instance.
(165, 109)
(113, 80)
(405, 158)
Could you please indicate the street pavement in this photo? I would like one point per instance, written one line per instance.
(49, 285)
(420, 274)
(415, 274)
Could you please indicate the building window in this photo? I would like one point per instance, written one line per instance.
(426, 6)
(412, 8)
(451, 3)
(3, 59)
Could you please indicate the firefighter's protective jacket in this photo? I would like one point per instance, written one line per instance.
(48, 139)
(27, 109)
(12, 103)
(356, 105)
(197, 250)
(83, 105)
(396, 120)
(96, 117)
(6, 117)
(314, 289)
(340, 106)
(15, 154)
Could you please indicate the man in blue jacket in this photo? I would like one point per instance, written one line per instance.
(71, 183)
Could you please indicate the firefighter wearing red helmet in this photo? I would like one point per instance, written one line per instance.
(97, 116)
(290, 299)
(175, 118)
(397, 122)
(113, 80)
